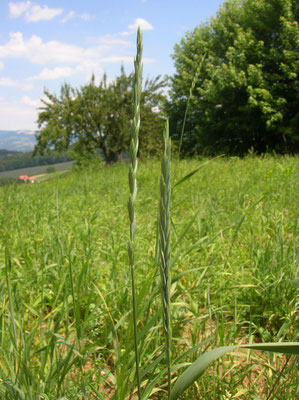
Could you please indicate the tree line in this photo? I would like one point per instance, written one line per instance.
(10, 160)
(235, 88)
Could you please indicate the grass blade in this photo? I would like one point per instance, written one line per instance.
(190, 174)
(195, 78)
(196, 369)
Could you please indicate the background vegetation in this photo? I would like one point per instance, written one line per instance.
(245, 64)
(99, 117)
(242, 67)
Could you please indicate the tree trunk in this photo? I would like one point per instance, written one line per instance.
(111, 157)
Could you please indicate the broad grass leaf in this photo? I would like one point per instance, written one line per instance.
(196, 369)
(280, 347)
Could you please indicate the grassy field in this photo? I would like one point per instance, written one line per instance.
(50, 175)
(65, 321)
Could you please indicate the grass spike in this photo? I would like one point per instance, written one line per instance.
(133, 188)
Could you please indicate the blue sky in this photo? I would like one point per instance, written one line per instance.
(43, 44)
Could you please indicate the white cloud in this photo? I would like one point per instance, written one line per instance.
(62, 60)
(125, 59)
(18, 114)
(33, 12)
(39, 52)
(26, 86)
(17, 9)
(1, 65)
(8, 82)
(85, 16)
(72, 14)
(30, 102)
(69, 16)
(117, 59)
(55, 73)
(109, 41)
(89, 67)
(37, 13)
(142, 23)
(139, 22)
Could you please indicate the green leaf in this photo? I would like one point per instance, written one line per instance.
(196, 369)
(183, 234)
(188, 176)
(182, 274)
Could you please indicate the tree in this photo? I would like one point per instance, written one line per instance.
(99, 117)
(246, 92)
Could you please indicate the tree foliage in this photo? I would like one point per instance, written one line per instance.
(246, 92)
(99, 116)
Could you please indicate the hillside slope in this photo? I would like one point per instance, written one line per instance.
(17, 140)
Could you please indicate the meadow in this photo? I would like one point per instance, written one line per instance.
(65, 293)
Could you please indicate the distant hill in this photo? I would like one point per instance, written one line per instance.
(7, 153)
(17, 140)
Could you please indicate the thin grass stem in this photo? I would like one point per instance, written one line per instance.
(8, 282)
(278, 377)
(164, 226)
(188, 100)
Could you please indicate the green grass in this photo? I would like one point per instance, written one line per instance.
(67, 330)
(51, 175)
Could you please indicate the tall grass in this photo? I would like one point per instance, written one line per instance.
(133, 188)
(82, 220)
(66, 323)
(198, 367)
